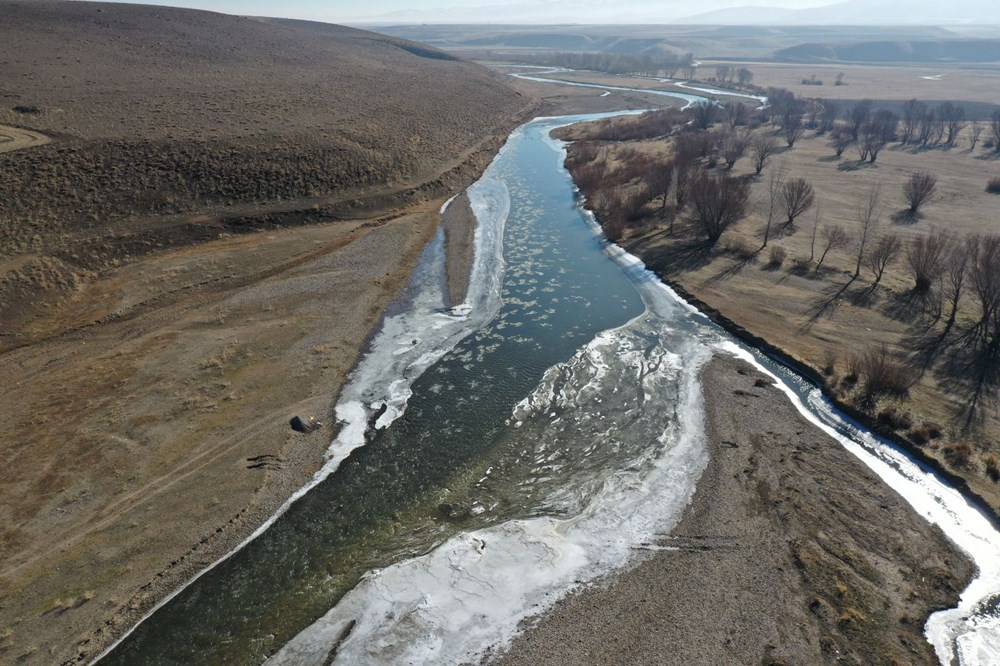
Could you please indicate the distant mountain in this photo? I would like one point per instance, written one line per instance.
(859, 12)
(914, 51)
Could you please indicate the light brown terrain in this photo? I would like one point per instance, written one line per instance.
(223, 211)
(791, 552)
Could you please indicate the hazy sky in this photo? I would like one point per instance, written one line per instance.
(455, 11)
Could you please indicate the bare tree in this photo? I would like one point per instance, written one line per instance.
(798, 197)
(658, 180)
(975, 131)
(815, 229)
(840, 139)
(718, 202)
(919, 189)
(772, 207)
(925, 129)
(744, 76)
(703, 114)
(995, 130)
(913, 112)
(829, 115)
(925, 258)
(734, 146)
(736, 114)
(953, 118)
(868, 214)
(859, 115)
(722, 73)
(792, 126)
(876, 134)
(883, 253)
(762, 147)
(834, 238)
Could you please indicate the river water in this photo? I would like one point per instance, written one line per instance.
(530, 439)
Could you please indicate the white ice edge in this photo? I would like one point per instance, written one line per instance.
(490, 205)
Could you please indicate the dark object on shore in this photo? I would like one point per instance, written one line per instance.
(304, 425)
(28, 110)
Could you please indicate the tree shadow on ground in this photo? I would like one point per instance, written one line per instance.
(906, 216)
(913, 305)
(828, 302)
(731, 271)
(683, 254)
(855, 165)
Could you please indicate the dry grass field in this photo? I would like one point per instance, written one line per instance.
(222, 211)
(824, 318)
(930, 83)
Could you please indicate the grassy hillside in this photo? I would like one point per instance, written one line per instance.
(160, 112)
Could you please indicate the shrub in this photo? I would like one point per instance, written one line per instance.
(894, 419)
(883, 375)
(993, 187)
(958, 454)
(993, 467)
(738, 248)
(776, 257)
(29, 110)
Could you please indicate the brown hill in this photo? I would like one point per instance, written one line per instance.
(158, 111)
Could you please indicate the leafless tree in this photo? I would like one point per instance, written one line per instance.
(734, 146)
(859, 115)
(975, 131)
(736, 114)
(792, 126)
(762, 147)
(772, 206)
(798, 197)
(722, 73)
(658, 180)
(718, 202)
(953, 283)
(926, 128)
(703, 114)
(876, 134)
(919, 189)
(840, 139)
(995, 130)
(868, 215)
(834, 238)
(882, 254)
(831, 110)
(925, 258)
(744, 76)
(913, 112)
(953, 118)
(815, 229)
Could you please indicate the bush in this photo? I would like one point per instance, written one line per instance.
(894, 419)
(993, 467)
(29, 110)
(738, 248)
(776, 257)
(993, 187)
(958, 454)
(883, 375)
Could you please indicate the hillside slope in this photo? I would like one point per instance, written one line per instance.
(158, 111)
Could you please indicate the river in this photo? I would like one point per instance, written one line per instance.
(525, 442)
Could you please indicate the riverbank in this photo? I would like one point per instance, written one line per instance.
(791, 551)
